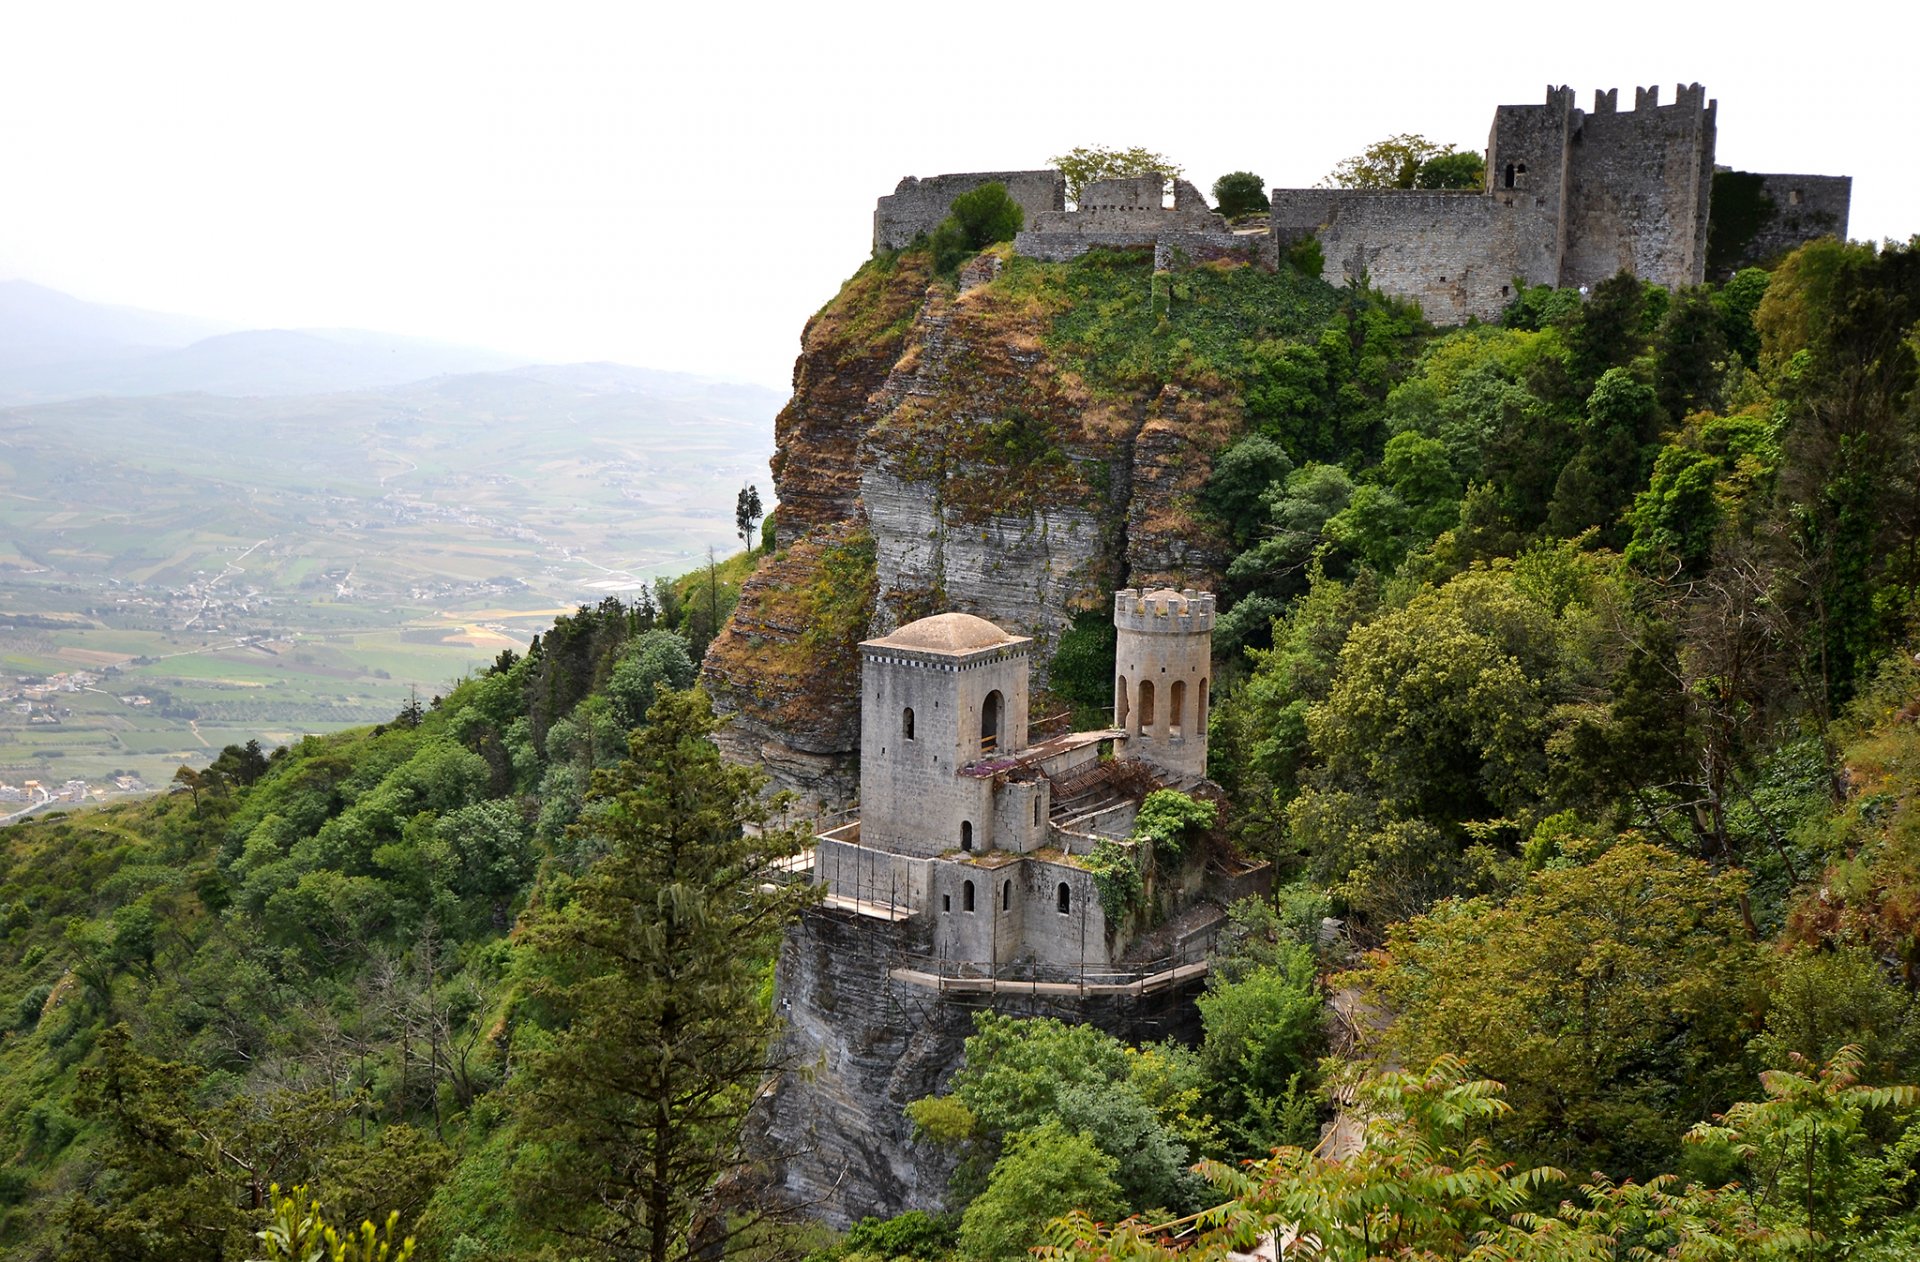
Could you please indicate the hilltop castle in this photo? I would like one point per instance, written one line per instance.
(1571, 198)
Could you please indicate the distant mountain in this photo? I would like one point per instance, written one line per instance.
(263, 362)
(43, 326)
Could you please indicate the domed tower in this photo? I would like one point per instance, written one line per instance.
(938, 697)
(1162, 668)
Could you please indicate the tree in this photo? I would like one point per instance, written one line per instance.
(193, 780)
(1019, 1075)
(299, 1232)
(651, 966)
(1407, 161)
(977, 219)
(1046, 1172)
(1461, 169)
(1813, 1149)
(1240, 193)
(652, 660)
(1084, 164)
(1263, 1031)
(1610, 998)
(1426, 1185)
(746, 511)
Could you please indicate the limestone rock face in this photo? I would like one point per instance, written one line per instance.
(945, 425)
(846, 352)
(785, 668)
(834, 1126)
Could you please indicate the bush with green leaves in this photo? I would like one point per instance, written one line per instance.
(1169, 820)
(1240, 193)
(1085, 164)
(978, 218)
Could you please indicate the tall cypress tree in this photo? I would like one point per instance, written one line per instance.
(650, 967)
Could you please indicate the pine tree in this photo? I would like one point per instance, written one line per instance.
(651, 966)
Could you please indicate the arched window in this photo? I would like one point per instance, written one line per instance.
(906, 723)
(990, 722)
(1144, 715)
(1509, 175)
(1063, 899)
(1120, 700)
(1036, 810)
(966, 896)
(1200, 711)
(1006, 896)
(1177, 708)
(966, 834)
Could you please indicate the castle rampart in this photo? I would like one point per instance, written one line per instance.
(916, 206)
(1571, 198)
(1129, 214)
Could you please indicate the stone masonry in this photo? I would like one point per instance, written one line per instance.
(916, 206)
(960, 888)
(1571, 198)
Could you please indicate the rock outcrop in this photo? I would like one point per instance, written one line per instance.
(1003, 459)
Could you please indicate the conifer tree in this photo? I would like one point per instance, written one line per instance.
(651, 967)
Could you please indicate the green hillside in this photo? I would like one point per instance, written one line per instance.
(1568, 665)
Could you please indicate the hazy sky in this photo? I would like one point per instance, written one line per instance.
(681, 185)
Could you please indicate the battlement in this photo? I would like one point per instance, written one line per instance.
(1571, 198)
(1163, 611)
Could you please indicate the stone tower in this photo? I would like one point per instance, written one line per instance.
(1163, 662)
(937, 697)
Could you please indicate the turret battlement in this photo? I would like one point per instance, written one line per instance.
(1163, 611)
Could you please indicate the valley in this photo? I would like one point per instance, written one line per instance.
(264, 567)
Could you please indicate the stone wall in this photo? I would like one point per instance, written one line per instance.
(1129, 214)
(916, 206)
(1454, 253)
(1783, 213)
(913, 798)
(1527, 158)
(1016, 915)
(1638, 189)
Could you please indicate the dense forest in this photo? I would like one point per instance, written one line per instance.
(1568, 680)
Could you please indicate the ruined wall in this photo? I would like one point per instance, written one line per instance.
(1759, 217)
(1455, 253)
(916, 206)
(1638, 191)
(1128, 214)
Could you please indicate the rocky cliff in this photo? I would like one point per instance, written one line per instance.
(1016, 443)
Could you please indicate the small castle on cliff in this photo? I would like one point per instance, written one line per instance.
(975, 831)
(1571, 197)
(966, 883)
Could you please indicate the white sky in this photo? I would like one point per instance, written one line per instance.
(681, 185)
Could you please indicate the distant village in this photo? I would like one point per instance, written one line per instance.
(37, 697)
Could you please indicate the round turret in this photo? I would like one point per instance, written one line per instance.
(1162, 672)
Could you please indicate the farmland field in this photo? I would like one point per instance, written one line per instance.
(231, 569)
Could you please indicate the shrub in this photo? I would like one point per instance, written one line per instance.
(978, 218)
(1240, 193)
(1169, 819)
